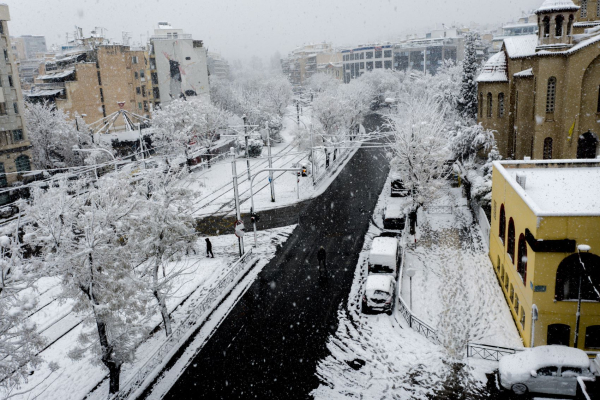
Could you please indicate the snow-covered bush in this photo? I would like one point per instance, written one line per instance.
(469, 140)
(255, 148)
(319, 83)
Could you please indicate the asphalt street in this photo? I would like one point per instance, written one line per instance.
(269, 345)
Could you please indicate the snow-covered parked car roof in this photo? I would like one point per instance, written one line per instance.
(383, 250)
(518, 367)
(396, 207)
(379, 282)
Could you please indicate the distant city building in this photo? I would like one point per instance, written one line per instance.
(217, 66)
(524, 26)
(310, 59)
(540, 93)
(29, 52)
(178, 64)
(425, 54)
(15, 155)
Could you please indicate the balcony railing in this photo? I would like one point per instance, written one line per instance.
(171, 37)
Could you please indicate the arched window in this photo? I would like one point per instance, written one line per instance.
(502, 224)
(22, 163)
(567, 277)
(489, 105)
(501, 105)
(559, 25)
(587, 147)
(592, 337)
(551, 95)
(522, 258)
(570, 24)
(584, 4)
(546, 27)
(548, 148)
(510, 246)
(559, 334)
(480, 105)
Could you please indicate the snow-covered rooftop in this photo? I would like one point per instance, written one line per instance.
(521, 46)
(494, 69)
(556, 188)
(524, 74)
(557, 5)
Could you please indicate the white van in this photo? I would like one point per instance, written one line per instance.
(384, 256)
(379, 294)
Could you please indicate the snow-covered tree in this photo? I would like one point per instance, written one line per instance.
(278, 93)
(471, 139)
(82, 242)
(321, 83)
(19, 340)
(185, 123)
(53, 136)
(161, 232)
(419, 146)
(467, 105)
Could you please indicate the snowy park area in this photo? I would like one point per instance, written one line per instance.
(62, 327)
(454, 290)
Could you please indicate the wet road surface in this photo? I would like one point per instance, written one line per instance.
(269, 345)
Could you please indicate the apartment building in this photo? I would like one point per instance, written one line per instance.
(15, 155)
(305, 61)
(218, 66)
(96, 79)
(29, 53)
(178, 65)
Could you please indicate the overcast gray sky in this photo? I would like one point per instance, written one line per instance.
(242, 28)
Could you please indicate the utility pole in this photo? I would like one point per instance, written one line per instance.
(236, 196)
(271, 183)
(312, 156)
(247, 150)
(298, 111)
(580, 248)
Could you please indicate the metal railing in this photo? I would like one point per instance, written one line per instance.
(416, 324)
(439, 209)
(490, 353)
(164, 353)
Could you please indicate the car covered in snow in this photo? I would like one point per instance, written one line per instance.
(384, 256)
(394, 216)
(379, 294)
(545, 369)
(397, 186)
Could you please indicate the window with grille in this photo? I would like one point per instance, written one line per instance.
(548, 149)
(16, 107)
(501, 105)
(584, 5)
(551, 95)
(17, 135)
(23, 164)
(489, 105)
(516, 307)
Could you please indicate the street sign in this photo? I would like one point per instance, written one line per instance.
(239, 229)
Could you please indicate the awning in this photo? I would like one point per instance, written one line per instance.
(43, 93)
(59, 75)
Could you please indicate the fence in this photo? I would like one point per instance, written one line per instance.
(333, 167)
(165, 352)
(487, 352)
(439, 209)
(415, 323)
(484, 224)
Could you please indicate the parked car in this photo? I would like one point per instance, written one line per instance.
(544, 369)
(384, 256)
(394, 217)
(397, 187)
(379, 294)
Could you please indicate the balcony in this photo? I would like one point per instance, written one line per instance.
(171, 37)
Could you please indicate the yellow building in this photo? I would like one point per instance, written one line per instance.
(542, 214)
(540, 93)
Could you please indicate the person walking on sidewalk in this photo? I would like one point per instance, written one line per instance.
(209, 248)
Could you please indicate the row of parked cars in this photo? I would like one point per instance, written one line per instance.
(380, 288)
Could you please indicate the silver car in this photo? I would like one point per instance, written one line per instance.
(544, 369)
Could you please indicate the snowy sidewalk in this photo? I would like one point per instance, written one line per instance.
(454, 287)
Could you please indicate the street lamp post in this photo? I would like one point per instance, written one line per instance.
(247, 150)
(252, 191)
(236, 196)
(585, 248)
(271, 183)
(410, 273)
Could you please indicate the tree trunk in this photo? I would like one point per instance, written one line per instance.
(160, 298)
(114, 367)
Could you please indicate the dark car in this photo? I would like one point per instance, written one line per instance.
(397, 187)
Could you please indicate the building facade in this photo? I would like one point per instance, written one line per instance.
(542, 214)
(310, 59)
(217, 66)
(540, 93)
(95, 81)
(362, 59)
(178, 65)
(15, 155)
